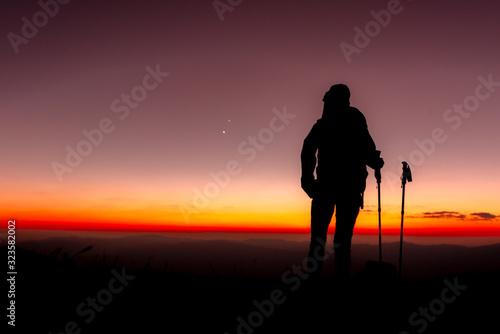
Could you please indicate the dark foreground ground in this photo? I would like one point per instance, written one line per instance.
(58, 293)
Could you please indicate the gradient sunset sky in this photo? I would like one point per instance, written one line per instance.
(427, 80)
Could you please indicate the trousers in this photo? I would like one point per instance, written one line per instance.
(346, 207)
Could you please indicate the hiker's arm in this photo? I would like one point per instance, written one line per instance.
(308, 161)
(373, 158)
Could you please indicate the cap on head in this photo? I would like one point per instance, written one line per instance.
(338, 94)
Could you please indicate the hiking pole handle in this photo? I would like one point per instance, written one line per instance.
(406, 172)
(378, 175)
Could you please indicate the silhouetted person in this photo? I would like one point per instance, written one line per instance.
(344, 148)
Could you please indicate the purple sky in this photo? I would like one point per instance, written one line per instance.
(263, 55)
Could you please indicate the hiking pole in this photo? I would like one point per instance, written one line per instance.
(379, 179)
(381, 271)
(378, 176)
(405, 177)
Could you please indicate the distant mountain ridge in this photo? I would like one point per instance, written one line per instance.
(264, 257)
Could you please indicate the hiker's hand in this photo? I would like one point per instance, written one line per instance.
(378, 175)
(309, 186)
(375, 161)
(379, 163)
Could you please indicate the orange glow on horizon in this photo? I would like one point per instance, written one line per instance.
(411, 230)
(273, 216)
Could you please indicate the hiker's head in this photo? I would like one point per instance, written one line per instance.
(337, 96)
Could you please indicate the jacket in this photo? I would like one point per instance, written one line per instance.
(344, 148)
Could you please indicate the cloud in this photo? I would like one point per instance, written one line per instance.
(484, 215)
(443, 214)
(456, 215)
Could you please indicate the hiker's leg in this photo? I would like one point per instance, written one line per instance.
(347, 212)
(321, 214)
